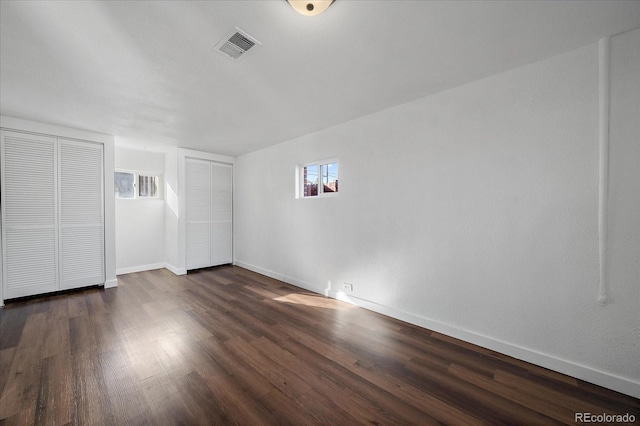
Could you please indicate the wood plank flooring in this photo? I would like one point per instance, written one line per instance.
(228, 346)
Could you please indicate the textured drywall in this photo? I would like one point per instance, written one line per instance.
(475, 208)
(619, 323)
(140, 223)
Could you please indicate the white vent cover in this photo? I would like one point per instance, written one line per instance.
(236, 44)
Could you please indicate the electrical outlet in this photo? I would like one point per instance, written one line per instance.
(347, 287)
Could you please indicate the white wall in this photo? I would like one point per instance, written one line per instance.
(171, 238)
(140, 223)
(619, 324)
(473, 212)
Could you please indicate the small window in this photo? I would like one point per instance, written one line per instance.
(133, 185)
(124, 185)
(147, 186)
(319, 179)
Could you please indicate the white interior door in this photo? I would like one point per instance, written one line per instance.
(221, 214)
(197, 215)
(29, 214)
(81, 214)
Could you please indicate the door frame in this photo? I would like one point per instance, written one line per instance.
(183, 154)
(108, 142)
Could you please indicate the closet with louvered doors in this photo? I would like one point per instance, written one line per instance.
(52, 214)
(208, 208)
(81, 214)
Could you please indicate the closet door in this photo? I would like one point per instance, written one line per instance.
(221, 214)
(29, 214)
(198, 199)
(81, 214)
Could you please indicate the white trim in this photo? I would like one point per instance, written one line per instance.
(323, 161)
(299, 181)
(27, 126)
(289, 280)
(139, 268)
(108, 142)
(111, 283)
(109, 214)
(183, 154)
(136, 185)
(176, 271)
(151, 267)
(588, 374)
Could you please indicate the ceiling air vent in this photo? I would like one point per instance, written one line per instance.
(236, 44)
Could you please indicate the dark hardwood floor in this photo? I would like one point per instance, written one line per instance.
(228, 346)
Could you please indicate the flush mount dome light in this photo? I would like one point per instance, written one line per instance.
(310, 7)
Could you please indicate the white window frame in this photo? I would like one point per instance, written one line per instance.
(300, 179)
(136, 186)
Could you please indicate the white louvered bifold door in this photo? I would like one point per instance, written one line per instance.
(198, 194)
(221, 214)
(29, 214)
(81, 214)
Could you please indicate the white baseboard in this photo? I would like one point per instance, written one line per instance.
(177, 271)
(151, 267)
(600, 378)
(111, 283)
(588, 374)
(286, 279)
(139, 268)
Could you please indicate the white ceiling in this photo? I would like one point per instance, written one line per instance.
(147, 73)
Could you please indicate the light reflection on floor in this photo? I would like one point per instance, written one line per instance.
(315, 301)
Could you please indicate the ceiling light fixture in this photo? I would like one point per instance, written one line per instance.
(310, 7)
